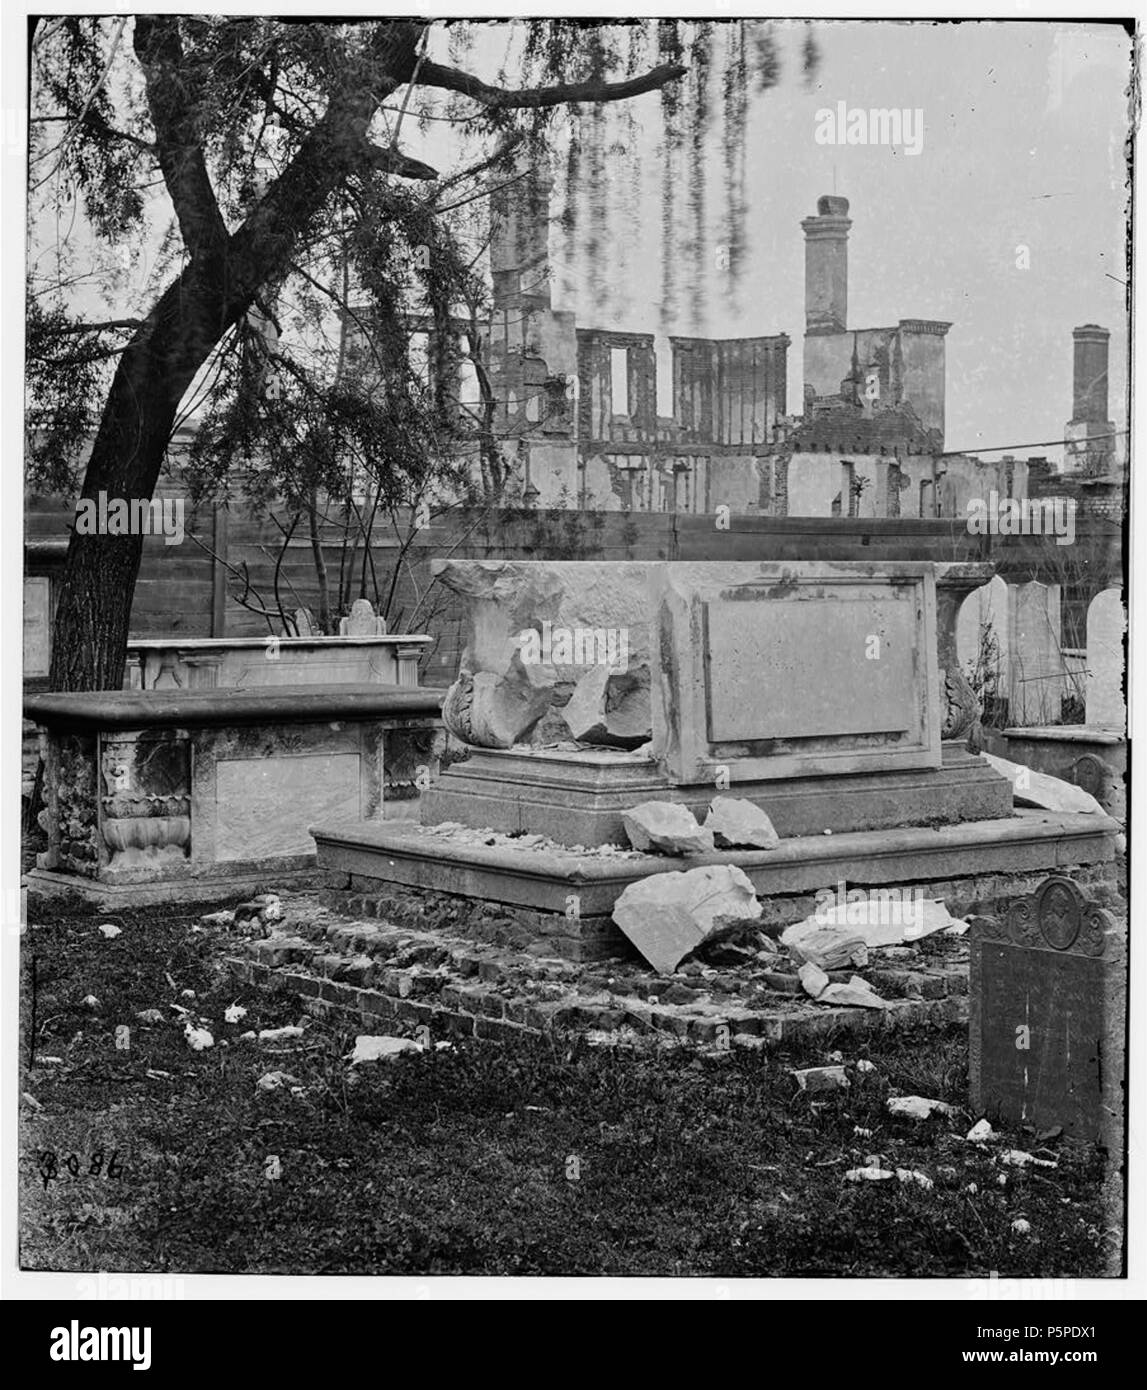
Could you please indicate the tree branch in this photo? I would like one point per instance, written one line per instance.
(178, 144)
(66, 329)
(392, 161)
(455, 80)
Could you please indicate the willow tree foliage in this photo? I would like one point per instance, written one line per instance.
(305, 248)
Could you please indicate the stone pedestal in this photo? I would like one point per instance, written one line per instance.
(577, 798)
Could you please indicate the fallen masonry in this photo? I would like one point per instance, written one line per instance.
(403, 962)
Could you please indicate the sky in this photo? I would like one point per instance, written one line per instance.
(1024, 130)
(1010, 222)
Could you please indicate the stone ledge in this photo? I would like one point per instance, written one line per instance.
(402, 852)
(289, 704)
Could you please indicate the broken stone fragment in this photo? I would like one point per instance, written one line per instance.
(488, 710)
(857, 993)
(813, 979)
(815, 1079)
(666, 826)
(871, 1174)
(738, 824)
(610, 708)
(368, 1048)
(918, 1107)
(1031, 788)
(832, 948)
(669, 915)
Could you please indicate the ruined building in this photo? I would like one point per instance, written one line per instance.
(575, 410)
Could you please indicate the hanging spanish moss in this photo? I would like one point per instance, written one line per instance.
(736, 109)
(700, 52)
(669, 51)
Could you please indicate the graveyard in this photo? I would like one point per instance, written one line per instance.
(584, 910)
(563, 798)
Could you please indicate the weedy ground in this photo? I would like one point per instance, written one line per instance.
(545, 1157)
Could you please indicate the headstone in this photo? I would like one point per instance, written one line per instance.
(1106, 624)
(362, 621)
(304, 623)
(982, 639)
(1037, 671)
(1047, 1001)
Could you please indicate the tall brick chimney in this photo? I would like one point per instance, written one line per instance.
(826, 266)
(1089, 395)
(1090, 448)
(519, 241)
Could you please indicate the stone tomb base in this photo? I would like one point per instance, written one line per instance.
(159, 795)
(577, 798)
(567, 896)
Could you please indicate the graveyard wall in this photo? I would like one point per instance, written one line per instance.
(191, 589)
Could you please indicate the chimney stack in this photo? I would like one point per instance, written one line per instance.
(519, 242)
(1090, 448)
(1089, 396)
(826, 266)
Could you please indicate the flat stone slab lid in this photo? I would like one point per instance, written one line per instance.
(132, 709)
(1066, 733)
(321, 643)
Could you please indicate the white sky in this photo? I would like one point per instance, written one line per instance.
(1024, 130)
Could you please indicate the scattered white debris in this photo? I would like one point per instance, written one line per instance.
(1017, 1158)
(90, 1001)
(821, 1079)
(865, 1065)
(980, 1132)
(272, 1080)
(218, 919)
(110, 930)
(911, 1175)
(233, 1013)
(246, 1037)
(836, 1056)
(272, 910)
(876, 918)
(972, 1187)
(857, 993)
(917, 1107)
(150, 1016)
(32, 1101)
(187, 994)
(379, 1049)
(50, 1061)
(813, 979)
(280, 1034)
(871, 1174)
(1021, 1227)
(198, 1039)
(157, 1075)
(861, 1132)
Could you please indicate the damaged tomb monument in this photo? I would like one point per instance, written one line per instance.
(825, 695)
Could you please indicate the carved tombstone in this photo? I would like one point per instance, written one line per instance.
(1046, 1036)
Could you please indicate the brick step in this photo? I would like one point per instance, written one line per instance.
(481, 1012)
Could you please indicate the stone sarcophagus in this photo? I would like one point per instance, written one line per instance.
(815, 689)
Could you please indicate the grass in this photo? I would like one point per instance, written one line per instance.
(539, 1158)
